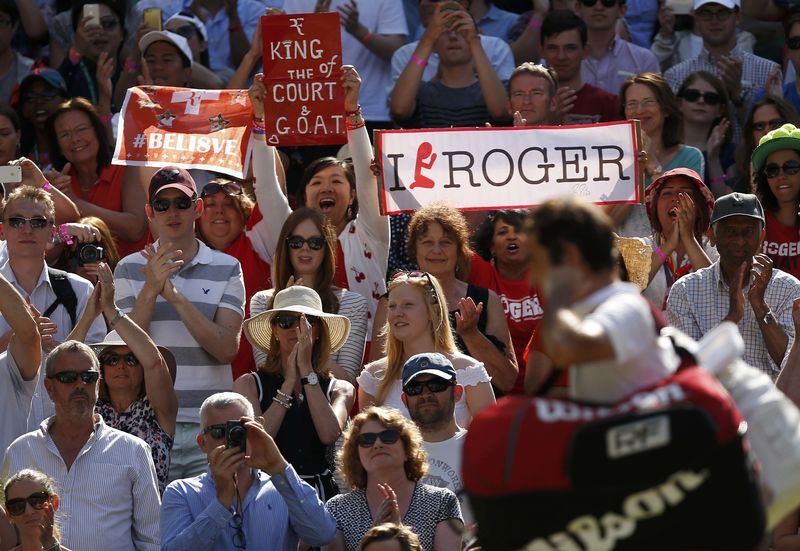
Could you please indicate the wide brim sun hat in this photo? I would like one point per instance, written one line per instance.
(681, 172)
(301, 300)
(113, 339)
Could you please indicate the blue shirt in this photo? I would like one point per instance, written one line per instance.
(277, 512)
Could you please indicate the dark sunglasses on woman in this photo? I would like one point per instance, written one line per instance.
(297, 242)
(693, 96)
(114, 359)
(790, 168)
(287, 321)
(37, 500)
(229, 188)
(388, 436)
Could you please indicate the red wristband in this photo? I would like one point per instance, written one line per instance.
(367, 37)
(535, 23)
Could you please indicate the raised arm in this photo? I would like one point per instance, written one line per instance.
(157, 380)
(66, 211)
(370, 219)
(381, 44)
(26, 345)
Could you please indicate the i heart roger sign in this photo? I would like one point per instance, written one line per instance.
(501, 168)
(204, 129)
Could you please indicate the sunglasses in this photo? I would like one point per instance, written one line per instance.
(606, 3)
(793, 42)
(771, 125)
(709, 98)
(113, 359)
(239, 540)
(388, 436)
(436, 386)
(297, 242)
(36, 223)
(69, 377)
(790, 168)
(229, 188)
(217, 432)
(37, 500)
(180, 203)
(287, 321)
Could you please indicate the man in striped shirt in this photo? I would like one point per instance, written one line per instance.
(190, 299)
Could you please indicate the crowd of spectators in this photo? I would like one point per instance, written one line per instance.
(191, 360)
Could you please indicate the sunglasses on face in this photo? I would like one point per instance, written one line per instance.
(388, 436)
(287, 321)
(415, 388)
(217, 432)
(37, 500)
(69, 377)
(606, 3)
(709, 98)
(229, 188)
(180, 203)
(771, 125)
(790, 168)
(36, 223)
(793, 42)
(113, 359)
(297, 242)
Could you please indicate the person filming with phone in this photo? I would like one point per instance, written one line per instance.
(250, 497)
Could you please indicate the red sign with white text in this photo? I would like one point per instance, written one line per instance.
(205, 129)
(304, 104)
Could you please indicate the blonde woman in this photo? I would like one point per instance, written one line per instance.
(417, 322)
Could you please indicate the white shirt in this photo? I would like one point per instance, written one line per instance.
(15, 400)
(641, 356)
(108, 497)
(380, 17)
(444, 469)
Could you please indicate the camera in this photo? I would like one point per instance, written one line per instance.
(88, 253)
(235, 435)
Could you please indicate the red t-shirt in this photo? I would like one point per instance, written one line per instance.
(593, 104)
(782, 245)
(107, 193)
(257, 277)
(521, 304)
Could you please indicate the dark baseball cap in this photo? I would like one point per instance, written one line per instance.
(431, 363)
(49, 76)
(737, 204)
(172, 177)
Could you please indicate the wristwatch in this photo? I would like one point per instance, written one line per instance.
(312, 379)
(769, 317)
(117, 318)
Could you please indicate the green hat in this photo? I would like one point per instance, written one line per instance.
(785, 137)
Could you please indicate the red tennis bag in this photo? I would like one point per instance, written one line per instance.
(666, 468)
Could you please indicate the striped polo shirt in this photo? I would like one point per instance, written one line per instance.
(211, 280)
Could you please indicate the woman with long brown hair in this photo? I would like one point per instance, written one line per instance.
(306, 255)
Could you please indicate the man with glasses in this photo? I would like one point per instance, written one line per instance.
(742, 287)
(532, 94)
(106, 478)
(16, 66)
(740, 71)
(244, 500)
(611, 60)
(190, 298)
(28, 229)
(430, 393)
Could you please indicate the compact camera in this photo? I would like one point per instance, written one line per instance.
(235, 435)
(88, 253)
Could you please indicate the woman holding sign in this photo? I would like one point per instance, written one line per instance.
(81, 154)
(347, 194)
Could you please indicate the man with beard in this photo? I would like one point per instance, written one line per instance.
(430, 393)
(106, 478)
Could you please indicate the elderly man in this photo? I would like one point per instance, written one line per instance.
(106, 478)
(253, 501)
(741, 287)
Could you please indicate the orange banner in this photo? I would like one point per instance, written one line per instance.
(203, 129)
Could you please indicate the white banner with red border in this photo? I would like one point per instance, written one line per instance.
(203, 129)
(508, 168)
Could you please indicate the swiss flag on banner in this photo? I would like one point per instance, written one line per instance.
(204, 129)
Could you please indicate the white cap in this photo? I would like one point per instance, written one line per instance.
(194, 20)
(165, 36)
(730, 4)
